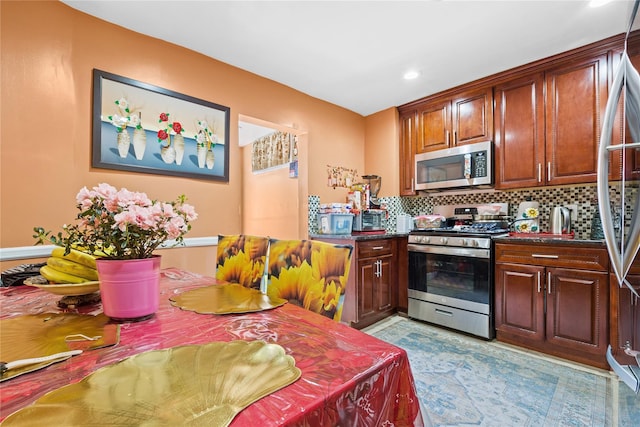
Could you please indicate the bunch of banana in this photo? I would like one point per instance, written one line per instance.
(75, 267)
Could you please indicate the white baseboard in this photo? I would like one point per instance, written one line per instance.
(43, 251)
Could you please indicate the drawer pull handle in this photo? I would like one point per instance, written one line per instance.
(544, 256)
(446, 313)
(377, 248)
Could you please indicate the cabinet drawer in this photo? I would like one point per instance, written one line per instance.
(584, 258)
(374, 248)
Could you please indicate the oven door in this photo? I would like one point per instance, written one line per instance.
(455, 277)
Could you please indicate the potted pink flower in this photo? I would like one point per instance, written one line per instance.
(125, 228)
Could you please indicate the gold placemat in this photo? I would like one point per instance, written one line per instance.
(196, 385)
(225, 299)
(38, 335)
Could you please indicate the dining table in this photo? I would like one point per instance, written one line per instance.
(346, 376)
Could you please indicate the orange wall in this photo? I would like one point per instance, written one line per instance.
(47, 56)
(382, 154)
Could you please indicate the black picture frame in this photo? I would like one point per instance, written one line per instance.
(203, 124)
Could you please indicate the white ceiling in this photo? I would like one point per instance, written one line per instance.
(354, 53)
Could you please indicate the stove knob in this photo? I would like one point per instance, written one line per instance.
(474, 243)
(444, 240)
(426, 239)
(417, 239)
(465, 242)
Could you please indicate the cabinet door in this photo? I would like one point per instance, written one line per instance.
(519, 132)
(472, 117)
(408, 130)
(384, 284)
(577, 313)
(625, 318)
(576, 100)
(367, 298)
(434, 126)
(519, 301)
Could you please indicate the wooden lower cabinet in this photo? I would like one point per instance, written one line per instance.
(548, 301)
(372, 287)
(625, 316)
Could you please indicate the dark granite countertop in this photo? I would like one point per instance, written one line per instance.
(357, 237)
(549, 240)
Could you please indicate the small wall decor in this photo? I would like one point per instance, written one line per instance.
(276, 149)
(338, 176)
(139, 127)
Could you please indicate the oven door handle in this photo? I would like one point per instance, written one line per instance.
(445, 250)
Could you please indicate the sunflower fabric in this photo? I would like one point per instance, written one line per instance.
(241, 259)
(310, 274)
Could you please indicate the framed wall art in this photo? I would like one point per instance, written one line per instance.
(140, 127)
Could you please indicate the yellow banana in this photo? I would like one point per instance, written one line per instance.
(75, 256)
(55, 276)
(64, 265)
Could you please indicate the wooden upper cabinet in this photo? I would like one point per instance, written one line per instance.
(576, 98)
(519, 132)
(434, 126)
(465, 118)
(408, 134)
(473, 117)
(548, 124)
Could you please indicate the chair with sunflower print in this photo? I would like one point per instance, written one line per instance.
(242, 259)
(309, 273)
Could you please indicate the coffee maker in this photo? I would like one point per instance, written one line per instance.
(374, 182)
(371, 218)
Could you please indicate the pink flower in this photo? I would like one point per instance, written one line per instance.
(175, 227)
(189, 211)
(122, 223)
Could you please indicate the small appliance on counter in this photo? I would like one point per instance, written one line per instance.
(370, 220)
(560, 220)
(374, 182)
(404, 223)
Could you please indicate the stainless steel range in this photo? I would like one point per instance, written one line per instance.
(451, 270)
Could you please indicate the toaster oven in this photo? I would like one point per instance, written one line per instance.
(370, 220)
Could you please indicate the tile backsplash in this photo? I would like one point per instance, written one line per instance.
(583, 196)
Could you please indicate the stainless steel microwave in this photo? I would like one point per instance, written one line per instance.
(468, 165)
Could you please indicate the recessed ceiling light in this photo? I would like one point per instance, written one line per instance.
(410, 75)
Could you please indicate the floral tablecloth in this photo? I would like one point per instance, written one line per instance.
(348, 377)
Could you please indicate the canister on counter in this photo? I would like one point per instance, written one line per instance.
(527, 219)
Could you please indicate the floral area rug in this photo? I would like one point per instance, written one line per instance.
(464, 381)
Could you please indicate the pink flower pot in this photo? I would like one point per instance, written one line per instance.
(129, 289)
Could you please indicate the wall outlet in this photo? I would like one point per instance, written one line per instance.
(574, 212)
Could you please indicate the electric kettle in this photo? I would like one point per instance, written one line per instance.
(560, 220)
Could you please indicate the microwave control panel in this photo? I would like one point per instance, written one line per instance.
(479, 164)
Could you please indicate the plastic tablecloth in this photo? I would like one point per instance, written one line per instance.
(348, 378)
